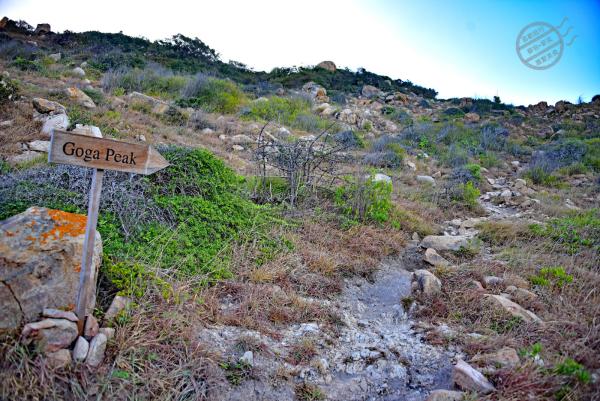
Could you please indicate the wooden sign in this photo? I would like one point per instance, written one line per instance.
(99, 154)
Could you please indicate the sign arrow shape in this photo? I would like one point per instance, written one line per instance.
(105, 154)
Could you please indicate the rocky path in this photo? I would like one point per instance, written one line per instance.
(376, 355)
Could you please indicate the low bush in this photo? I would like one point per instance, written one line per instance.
(9, 89)
(153, 80)
(181, 220)
(294, 112)
(575, 231)
(364, 199)
(95, 95)
(551, 276)
(212, 95)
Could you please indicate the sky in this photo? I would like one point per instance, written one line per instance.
(459, 48)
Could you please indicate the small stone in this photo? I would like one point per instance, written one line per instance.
(6, 124)
(59, 359)
(247, 358)
(410, 165)
(81, 349)
(109, 332)
(79, 97)
(55, 57)
(427, 282)
(207, 131)
(47, 106)
(504, 357)
(237, 148)
(520, 294)
(415, 236)
(96, 352)
(434, 258)
(472, 117)
(426, 179)
(515, 164)
(476, 285)
(141, 138)
(222, 137)
(382, 177)
(445, 395)
(60, 314)
(118, 304)
(468, 378)
(507, 193)
(39, 146)
(57, 121)
(520, 183)
(91, 327)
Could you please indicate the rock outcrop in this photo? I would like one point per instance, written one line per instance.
(40, 262)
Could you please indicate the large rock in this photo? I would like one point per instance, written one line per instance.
(316, 91)
(434, 258)
(427, 179)
(241, 139)
(50, 335)
(45, 106)
(81, 349)
(78, 71)
(512, 308)
(79, 97)
(370, 91)
(40, 263)
(327, 65)
(117, 305)
(445, 242)
(445, 395)
(427, 282)
(57, 121)
(467, 378)
(157, 106)
(472, 117)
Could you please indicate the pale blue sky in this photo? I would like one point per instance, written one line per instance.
(459, 48)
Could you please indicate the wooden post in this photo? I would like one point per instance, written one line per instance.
(86, 275)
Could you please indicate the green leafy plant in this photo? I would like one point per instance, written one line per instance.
(551, 276)
(365, 199)
(573, 369)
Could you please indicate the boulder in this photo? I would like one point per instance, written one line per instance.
(55, 57)
(81, 349)
(445, 395)
(50, 335)
(370, 91)
(78, 71)
(39, 146)
(502, 358)
(427, 282)
(45, 106)
(426, 179)
(241, 139)
(513, 308)
(59, 359)
(158, 106)
(57, 121)
(382, 177)
(434, 258)
(41, 258)
(42, 29)
(316, 91)
(79, 97)
(469, 379)
(95, 354)
(327, 65)
(445, 242)
(520, 294)
(472, 117)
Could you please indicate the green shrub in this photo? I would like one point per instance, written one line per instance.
(551, 276)
(398, 150)
(489, 159)
(215, 95)
(25, 65)
(540, 176)
(475, 170)
(9, 89)
(467, 195)
(571, 368)
(95, 95)
(153, 81)
(294, 112)
(365, 199)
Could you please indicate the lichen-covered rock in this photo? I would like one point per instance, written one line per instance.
(40, 263)
(79, 97)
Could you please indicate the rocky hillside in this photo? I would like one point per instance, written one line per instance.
(320, 234)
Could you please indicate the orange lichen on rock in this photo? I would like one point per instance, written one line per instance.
(70, 224)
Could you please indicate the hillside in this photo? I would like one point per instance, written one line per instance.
(320, 233)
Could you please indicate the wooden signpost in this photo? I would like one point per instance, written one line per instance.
(100, 154)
